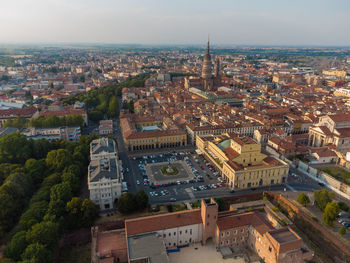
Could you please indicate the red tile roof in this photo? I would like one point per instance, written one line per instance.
(159, 222)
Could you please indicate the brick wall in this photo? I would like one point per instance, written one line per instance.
(327, 235)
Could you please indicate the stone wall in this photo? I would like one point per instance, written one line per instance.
(323, 231)
(322, 177)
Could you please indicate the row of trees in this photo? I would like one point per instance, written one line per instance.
(46, 122)
(324, 201)
(54, 121)
(53, 208)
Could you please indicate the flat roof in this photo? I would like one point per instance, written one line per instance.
(284, 235)
(147, 246)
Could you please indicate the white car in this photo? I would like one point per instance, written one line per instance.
(137, 182)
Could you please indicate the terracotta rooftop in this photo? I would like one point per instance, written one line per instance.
(166, 221)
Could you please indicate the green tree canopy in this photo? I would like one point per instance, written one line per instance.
(141, 199)
(59, 159)
(37, 253)
(16, 246)
(81, 213)
(14, 148)
(127, 203)
(33, 215)
(35, 169)
(322, 198)
(330, 213)
(46, 233)
(113, 107)
(342, 230)
(303, 199)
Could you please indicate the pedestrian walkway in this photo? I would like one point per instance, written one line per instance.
(190, 193)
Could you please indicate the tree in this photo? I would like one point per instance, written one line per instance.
(37, 253)
(303, 199)
(35, 169)
(127, 203)
(46, 233)
(330, 213)
(343, 206)
(73, 180)
(322, 198)
(141, 199)
(16, 246)
(18, 123)
(62, 192)
(14, 148)
(221, 203)
(59, 159)
(113, 107)
(33, 215)
(81, 213)
(95, 115)
(342, 230)
(90, 212)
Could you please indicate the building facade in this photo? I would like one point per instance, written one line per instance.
(240, 161)
(58, 133)
(332, 130)
(104, 175)
(148, 238)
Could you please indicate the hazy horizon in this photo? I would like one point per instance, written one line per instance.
(279, 23)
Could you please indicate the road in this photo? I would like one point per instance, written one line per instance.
(184, 192)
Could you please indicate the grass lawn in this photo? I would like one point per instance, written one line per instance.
(338, 173)
(76, 254)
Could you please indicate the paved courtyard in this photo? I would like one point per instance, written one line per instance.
(157, 177)
(203, 254)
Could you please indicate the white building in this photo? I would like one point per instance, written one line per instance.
(104, 182)
(104, 175)
(103, 148)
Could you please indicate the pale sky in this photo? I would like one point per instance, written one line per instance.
(236, 22)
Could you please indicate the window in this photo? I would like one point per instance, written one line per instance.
(222, 234)
(190, 231)
(242, 230)
(227, 242)
(180, 232)
(242, 238)
(164, 235)
(174, 233)
(270, 249)
(222, 243)
(227, 233)
(186, 231)
(234, 240)
(169, 234)
(235, 232)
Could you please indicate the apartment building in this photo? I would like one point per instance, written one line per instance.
(56, 133)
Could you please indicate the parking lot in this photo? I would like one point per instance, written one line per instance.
(196, 178)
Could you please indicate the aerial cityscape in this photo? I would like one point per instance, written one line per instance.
(175, 132)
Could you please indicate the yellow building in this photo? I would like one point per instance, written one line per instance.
(335, 73)
(240, 161)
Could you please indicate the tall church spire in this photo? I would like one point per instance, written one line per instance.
(208, 46)
(206, 69)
